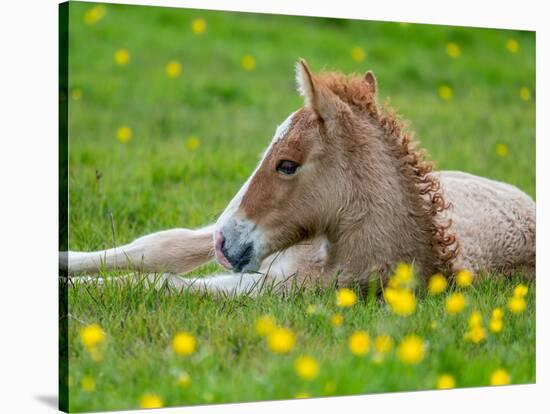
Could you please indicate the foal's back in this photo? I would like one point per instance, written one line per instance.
(494, 223)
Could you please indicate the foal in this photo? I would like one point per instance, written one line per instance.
(342, 192)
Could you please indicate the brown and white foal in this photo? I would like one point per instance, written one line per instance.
(341, 192)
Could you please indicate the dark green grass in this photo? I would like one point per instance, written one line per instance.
(154, 182)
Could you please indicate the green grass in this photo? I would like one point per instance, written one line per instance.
(156, 182)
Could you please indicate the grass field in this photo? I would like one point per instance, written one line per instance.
(164, 132)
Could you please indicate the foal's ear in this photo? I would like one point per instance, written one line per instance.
(316, 96)
(371, 82)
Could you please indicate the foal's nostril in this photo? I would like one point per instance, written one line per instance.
(240, 258)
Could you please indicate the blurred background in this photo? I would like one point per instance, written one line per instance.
(170, 108)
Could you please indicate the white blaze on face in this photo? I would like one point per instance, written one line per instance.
(234, 204)
(238, 232)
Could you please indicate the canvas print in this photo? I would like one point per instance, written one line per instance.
(262, 207)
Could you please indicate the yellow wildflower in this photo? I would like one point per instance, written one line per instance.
(184, 380)
(401, 301)
(173, 69)
(437, 284)
(445, 92)
(345, 298)
(455, 303)
(383, 344)
(497, 313)
(500, 377)
(122, 57)
(475, 334)
(76, 94)
(192, 143)
(475, 319)
(336, 320)
(359, 343)
(198, 26)
(512, 45)
(495, 325)
(94, 14)
(92, 335)
(301, 395)
(445, 382)
(524, 93)
(306, 367)
(124, 134)
(87, 384)
(411, 349)
(501, 150)
(358, 54)
(150, 401)
(517, 304)
(265, 324)
(453, 50)
(184, 344)
(520, 291)
(329, 387)
(464, 278)
(248, 63)
(404, 273)
(281, 340)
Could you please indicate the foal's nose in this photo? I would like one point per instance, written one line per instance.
(234, 255)
(239, 256)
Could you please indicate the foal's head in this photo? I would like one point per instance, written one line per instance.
(304, 180)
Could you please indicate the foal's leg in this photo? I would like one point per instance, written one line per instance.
(173, 251)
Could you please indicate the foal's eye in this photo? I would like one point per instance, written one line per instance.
(287, 167)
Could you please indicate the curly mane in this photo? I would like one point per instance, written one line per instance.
(361, 96)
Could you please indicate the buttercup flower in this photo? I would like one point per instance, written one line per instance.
(336, 320)
(265, 324)
(150, 401)
(455, 303)
(124, 134)
(464, 278)
(87, 384)
(184, 380)
(345, 298)
(122, 57)
(192, 143)
(475, 334)
(401, 301)
(306, 367)
(501, 150)
(94, 14)
(358, 54)
(301, 395)
(184, 344)
(248, 63)
(445, 382)
(198, 26)
(453, 50)
(404, 274)
(437, 284)
(500, 377)
(173, 69)
(475, 319)
(524, 93)
(512, 45)
(92, 335)
(495, 325)
(359, 343)
(497, 313)
(520, 291)
(411, 350)
(281, 340)
(445, 92)
(517, 304)
(383, 344)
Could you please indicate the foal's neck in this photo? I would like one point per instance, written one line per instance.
(385, 221)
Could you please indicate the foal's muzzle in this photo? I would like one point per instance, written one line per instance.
(233, 254)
